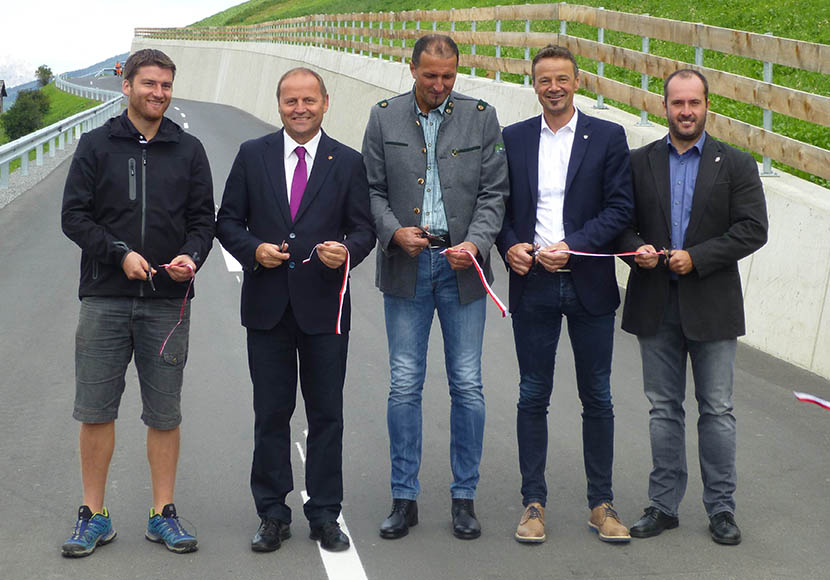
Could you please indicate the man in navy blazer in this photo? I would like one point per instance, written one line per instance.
(570, 190)
(292, 195)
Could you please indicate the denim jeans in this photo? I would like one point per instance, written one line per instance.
(408, 322)
(664, 380)
(537, 323)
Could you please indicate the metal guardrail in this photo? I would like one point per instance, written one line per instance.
(59, 134)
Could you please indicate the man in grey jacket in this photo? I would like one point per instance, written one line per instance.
(437, 182)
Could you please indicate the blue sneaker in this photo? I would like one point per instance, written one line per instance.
(166, 529)
(91, 531)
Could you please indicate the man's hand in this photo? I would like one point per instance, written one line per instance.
(520, 258)
(271, 255)
(553, 260)
(411, 240)
(136, 267)
(458, 259)
(178, 269)
(680, 262)
(648, 259)
(332, 254)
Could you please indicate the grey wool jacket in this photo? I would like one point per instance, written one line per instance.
(472, 169)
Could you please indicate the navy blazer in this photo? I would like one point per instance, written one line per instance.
(598, 204)
(335, 206)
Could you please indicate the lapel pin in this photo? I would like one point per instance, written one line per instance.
(330, 157)
(585, 136)
(717, 159)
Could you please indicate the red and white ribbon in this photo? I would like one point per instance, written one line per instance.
(807, 398)
(343, 286)
(592, 255)
(483, 279)
(184, 303)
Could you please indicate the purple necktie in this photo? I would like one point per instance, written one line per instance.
(298, 182)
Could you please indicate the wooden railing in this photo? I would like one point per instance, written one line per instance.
(387, 34)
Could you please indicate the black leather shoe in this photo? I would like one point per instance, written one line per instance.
(332, 538)
(404, 515)
(653, 523)
(270, 535)
(724, 530)
(464, 522)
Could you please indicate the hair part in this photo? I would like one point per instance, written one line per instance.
(439, 45)
(147, 57)
(685, 73)
(553, 51)
(302, 70)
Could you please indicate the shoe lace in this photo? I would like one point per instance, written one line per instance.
(87, 528)
(172, 529)
(533, 513)
(610, 512)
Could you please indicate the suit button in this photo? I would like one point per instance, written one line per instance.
(292, 235)
(420, 181)
(291, 265)
(424, 150)
(417, 210)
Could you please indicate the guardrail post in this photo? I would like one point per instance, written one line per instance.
(371, 23)
(600, 67)
(4, 176)
(39, 155)
(53, 144)
(699, 55)
(767, 162)
(403, 41)
(361, 37)
(473, 47)
(527, 50)
(563, 27)
(24, 163)
(644, 122)
(434, 22)
(498, 49)
(391, 37)
(354, 36)
(62, 141)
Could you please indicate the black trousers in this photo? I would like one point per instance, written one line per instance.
(273, 357)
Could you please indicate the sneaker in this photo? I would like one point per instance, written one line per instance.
(605, 522)
(165, 528)
(91, 531)
(531, 529)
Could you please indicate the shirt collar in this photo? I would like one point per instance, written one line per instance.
(569, 126)
(698, 145)
(310, 147)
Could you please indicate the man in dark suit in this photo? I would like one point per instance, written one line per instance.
(570, 189)
(703, 200)
(294, 194)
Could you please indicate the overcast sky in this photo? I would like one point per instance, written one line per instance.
(73, 34)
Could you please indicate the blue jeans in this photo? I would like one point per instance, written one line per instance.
(664, 379)
(408, 322)
(537, 323)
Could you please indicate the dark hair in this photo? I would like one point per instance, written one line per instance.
(553, 51)
(147, 57)
(685, 73)
(298, 70)
(439, 45)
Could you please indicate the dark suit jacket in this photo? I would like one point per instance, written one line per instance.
(335, 206)
(598, 204)
(728, 222)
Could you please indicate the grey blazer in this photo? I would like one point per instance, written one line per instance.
(472, 168)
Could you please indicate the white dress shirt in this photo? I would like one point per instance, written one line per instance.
(554, 156)
(291, 158)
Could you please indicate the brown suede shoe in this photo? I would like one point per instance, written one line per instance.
(531, 528)
(605, 522)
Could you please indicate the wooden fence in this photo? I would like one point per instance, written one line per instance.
(386, 34)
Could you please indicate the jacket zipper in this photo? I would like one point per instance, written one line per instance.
(143, 206)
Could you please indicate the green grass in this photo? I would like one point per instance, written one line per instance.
(799, 19)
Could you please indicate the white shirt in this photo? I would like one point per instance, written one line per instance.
(554, 156)
(291, 158)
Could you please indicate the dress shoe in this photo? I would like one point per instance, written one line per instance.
(531, 528)
(332, 538)
(404, 515)
(653, 523)
(464, 522)
(270, 535)
(605, 522)
(724, 530)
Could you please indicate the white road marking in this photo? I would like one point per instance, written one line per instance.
(183, 115)
(186, 126)
(339, 565)
(175, 107)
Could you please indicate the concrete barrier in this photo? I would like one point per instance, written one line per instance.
(786, 283)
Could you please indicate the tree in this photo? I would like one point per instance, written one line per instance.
(26, 115)
(43, 74)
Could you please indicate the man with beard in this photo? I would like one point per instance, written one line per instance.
(703, 201)
(139, 202)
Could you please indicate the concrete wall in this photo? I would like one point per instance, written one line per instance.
(785, 283)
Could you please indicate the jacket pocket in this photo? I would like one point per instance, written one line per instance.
(398, 143)
(131, 177)
(94, 269)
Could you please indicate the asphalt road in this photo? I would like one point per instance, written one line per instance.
(784, 472)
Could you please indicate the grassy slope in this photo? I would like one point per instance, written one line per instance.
(799, 19)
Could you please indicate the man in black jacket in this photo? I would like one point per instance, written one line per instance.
(139, 202)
